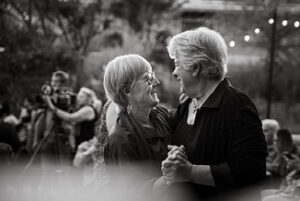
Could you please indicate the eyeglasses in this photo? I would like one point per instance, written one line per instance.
(150, 77)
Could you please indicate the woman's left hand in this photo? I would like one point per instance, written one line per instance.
(176, 168)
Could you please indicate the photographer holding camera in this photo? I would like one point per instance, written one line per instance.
(84, 118)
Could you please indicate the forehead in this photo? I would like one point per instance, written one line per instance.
(56, 78)
(82, 93)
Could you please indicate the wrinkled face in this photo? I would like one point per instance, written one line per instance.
(56, 82)
(143, 90)
(82, 98)
(184, 77)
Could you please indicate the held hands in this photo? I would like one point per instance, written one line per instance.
(176, 167)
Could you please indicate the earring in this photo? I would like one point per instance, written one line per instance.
(129, 108)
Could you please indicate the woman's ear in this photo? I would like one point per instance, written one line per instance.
(125, 90)
(196, 70)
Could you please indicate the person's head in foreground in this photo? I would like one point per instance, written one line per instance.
(200, 58)
(130, 83)
(270, 127)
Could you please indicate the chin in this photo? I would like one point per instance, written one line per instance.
(154, 101)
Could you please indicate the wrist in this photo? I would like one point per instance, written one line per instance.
(54, 110)
(190, 167)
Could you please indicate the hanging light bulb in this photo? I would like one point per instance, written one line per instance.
(296, 24)
(232, 43)
(2, 49)
(271, 21)
(284, 23)
(257, 30)
(247, 38)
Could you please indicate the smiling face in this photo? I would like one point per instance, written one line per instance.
(143, 93)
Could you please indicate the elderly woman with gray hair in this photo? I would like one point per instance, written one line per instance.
(218, 139)
(137, 143)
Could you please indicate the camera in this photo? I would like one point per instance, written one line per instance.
(47, 89)
(62, 97)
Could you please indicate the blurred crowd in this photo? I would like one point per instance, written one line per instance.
(283, 163)
(55, 132)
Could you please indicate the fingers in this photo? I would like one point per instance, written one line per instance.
(172, 163)
(169, 172)
(177, 154)
(174, 150)
(174, 147)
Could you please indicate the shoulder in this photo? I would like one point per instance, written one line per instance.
(87, 108)
(234, 99)
(118, 134)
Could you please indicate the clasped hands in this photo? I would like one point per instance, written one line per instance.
(176, 167)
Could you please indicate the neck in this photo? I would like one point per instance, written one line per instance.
(202, 87)
(141, 114)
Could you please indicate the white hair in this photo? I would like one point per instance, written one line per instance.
(120, 74)
(88, 92)
(271, 123)
(201, 47)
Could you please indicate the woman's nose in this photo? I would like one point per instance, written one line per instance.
(156, 81)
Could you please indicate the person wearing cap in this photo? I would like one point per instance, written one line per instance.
(85, 117)
(218, 139)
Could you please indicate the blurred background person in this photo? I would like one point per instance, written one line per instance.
(9, 141)
(286, 164)
(84, 118)
(270, 128)
(284, 150)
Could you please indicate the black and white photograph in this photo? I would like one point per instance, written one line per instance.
(150, 100)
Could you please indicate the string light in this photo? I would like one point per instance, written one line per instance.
(284, 23)
(257, 30)
(296, 24)
(247, 38)
(232, 43)
(271, 21)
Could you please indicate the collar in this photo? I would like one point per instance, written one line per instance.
(199, 102)
(214, 100)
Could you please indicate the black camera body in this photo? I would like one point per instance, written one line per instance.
(62, 98)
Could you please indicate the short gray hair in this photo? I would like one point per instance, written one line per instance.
(271, 123)
(88, 92)
(121, 72)
(201, 47)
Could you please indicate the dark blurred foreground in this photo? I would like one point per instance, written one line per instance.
(65, 183)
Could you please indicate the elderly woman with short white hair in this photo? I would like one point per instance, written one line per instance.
(137, 143)
(217, 124)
